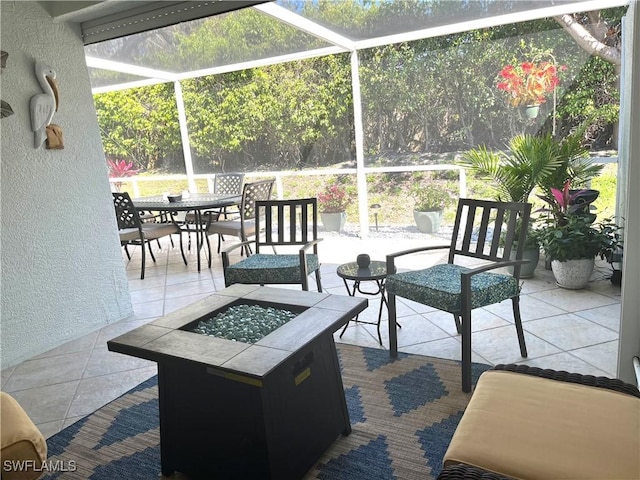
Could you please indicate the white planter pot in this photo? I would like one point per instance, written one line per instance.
(573, 274)
(428, 222)
(333, 222)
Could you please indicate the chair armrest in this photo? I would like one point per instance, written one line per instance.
(494, 266)
(310, 244)
(391, 267)
(226, 251)
(303, 256)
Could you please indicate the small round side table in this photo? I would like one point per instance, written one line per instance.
(375, 272)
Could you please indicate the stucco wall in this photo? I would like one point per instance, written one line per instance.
(62, 272)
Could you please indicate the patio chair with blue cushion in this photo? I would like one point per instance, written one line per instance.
(289, 224)
(492, 233)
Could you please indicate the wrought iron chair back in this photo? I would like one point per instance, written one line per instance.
(126, 215)
(245, 226)
(133, 231)
(228, 183)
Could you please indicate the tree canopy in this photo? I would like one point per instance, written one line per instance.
(428, 96)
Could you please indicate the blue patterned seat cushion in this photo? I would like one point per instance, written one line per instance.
(439, 287)
(266, 268)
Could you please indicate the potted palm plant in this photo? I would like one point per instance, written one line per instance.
(531, 163)
(515, 173)
(430, 201)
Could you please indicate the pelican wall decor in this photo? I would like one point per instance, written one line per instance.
(5, 108)
(43, 106)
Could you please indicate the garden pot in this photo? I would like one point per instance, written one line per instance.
(333, 222)
(573, 274)
(428, 222)
(531, 254)
(530, 111)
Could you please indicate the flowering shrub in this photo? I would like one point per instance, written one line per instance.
(333, 199)
(430, 197)
(529, 82)
(120, 168)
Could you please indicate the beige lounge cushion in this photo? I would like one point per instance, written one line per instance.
(533, 428)
(20, 440)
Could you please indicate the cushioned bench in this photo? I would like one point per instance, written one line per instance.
(23, 448)
(528, 423)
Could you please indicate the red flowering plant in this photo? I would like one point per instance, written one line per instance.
(119, 169)
(334, 199)
(529, 83)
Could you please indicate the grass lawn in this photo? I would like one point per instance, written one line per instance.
(392, 191)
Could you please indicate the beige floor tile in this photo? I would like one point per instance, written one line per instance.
(191, 288)
(92, 393)
(147, 295)
(83, 343)
(449, 348)
(500, 345)
(569, 331)
(481, 319)
(531, 308)
(148, 309)
(573, 300)
(49, 403)
(6, 374)
(564, 361)
(608, 316)
(104, 362)
(117, 329)
(47, 371)
(602, 356)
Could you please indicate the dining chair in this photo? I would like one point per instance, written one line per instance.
(488, 232)
(133, 231)
(290, 224)
(244, 226)
(223, 183)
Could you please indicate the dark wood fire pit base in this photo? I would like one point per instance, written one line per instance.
(236, 410)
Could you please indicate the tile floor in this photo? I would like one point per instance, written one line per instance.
(569, 330)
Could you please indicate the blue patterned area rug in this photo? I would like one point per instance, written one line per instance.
(403, 414)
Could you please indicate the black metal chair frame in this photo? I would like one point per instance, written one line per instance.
(285, 223)
(245, 225)
(494, 247)
(222, 183)
(128, 218)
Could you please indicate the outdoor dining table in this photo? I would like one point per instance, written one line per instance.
(195, 202)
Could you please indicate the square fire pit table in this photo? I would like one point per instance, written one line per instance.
(230, 409)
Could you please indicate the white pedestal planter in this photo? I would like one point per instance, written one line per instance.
(428, 222)
(573, 274)
(333, 222)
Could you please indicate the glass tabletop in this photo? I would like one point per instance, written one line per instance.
(377, 270)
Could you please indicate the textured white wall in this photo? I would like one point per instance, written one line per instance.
(62, 272)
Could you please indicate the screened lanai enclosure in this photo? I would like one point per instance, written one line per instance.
(380, 96)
